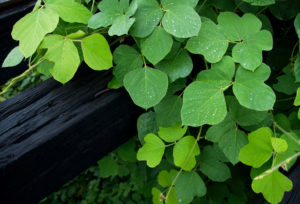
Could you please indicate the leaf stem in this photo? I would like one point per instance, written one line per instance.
(294, 48)
(92, 8)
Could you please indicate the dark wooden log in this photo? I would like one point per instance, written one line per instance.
(52, 132)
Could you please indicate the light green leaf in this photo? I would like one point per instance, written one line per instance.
(152, 151)
(181, 21)
(156, 198)
(297, 99)
(165, 178)
(14, 57)
(251, 91)
(121, 25)
(157, 45)
(108, 167)
(179, 66)
(147, 17)
(297, 24)
(182, 151)
(32, 28)
(259, 150)
(172, 133)
(126, 59)
(146, 123)
(272, 186)
(279, 144)
(77, 34)
(210, 42)
(146, 86)
(70, 10)
(65, 56)
(168, 111)
(188, 186)
(45, 67)
(211, 167)
(96, 52)
(203, 100)
(260, 2)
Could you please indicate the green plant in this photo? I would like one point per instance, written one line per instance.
(197, 69)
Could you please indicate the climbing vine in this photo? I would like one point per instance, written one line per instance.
(219, 82)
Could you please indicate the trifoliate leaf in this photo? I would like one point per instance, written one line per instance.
(297, 99)
(108, 167)
(272, 186)
(172, 133)
(211, 167)
(127, 151)
(70, 10)
(168, 111)
(14, 57)
(250, 89)
(147, 17)
(260, 2)
(297, 25)
(126, 59)
(157, 45)
(165, 178)
(32, 28)
(146, 86)
(146, 123)
(152, 151)
(203, 100)
(96, 52)
(279, 144)
(156, 196)
(181, 21)
(259, 150)
(65, 56)
(188, 186)
(178, 66)
(210, 42)
(181, 153)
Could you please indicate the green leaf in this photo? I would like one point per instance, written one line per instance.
(203, 100)
(156, 198)
(77, 34)
(168, 111)
(297, 99)
(121, 25)
(65, 56)
(165, 178)
(147, 17)
(179, 66)
(210, 42)
(297, 68)
(260, 2)
(272, 186)
(286, 83)
(45, 67)
(108, 167)
(210, 166)
(126, 59)
(186, 147)
(181, 21)
(172, 133)
(14, 57)
(32, 28)
(169, 3)
(279, 144)
(251, 91)
(146, 86)
(96, 52)
(188, 186)
(146, 123)
(259, 150)
(157, 45)
(152, 151)
(70, 11)
(297, 24)
(127, 151)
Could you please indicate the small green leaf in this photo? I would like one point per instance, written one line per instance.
(121, 25)
(45, 67)
(108, 167)
(32, 28)
(181, 21)
(14, 57)
(156, 198)
(272, 186)
(173, 133)
(65, 56)
(146, 86)
(165, 178)
(152, 151)
(297, 24)
(279, 144)
(259, 150)
(127, 151)
(182, 151)
(297, 99)
(157, 45)
(70, 10)
(96, 52)
(211, 167)
(77, 34)
(250, 89)
(188, 186)
(146, 123)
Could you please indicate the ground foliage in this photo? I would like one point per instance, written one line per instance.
(219, 82)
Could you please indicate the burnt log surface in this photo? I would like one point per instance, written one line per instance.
(52, 132)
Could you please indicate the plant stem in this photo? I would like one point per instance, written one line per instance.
(294, 48)
(184, 164)
(93, 6)
(286, 133)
